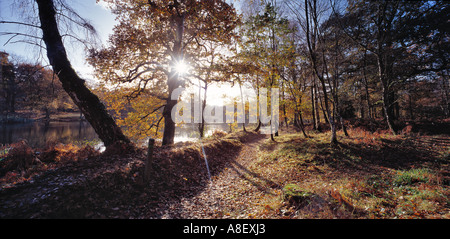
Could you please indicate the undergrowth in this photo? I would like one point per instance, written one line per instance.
(367, 175)
(21, 162)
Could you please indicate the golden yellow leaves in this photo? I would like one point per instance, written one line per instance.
(137, 116)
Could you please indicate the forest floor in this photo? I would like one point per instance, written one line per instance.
(366, 175)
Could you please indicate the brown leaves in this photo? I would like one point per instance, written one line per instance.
(120, 148)
(23, 162)
(20, 158)
(111, 186)
(342, 200)
(55, 153)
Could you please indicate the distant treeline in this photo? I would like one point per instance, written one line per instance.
(30, 88)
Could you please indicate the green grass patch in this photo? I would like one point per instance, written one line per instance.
(362, 172)
(412, 176)
(4, 153)
(295, 195)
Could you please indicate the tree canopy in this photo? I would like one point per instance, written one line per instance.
(152, 38)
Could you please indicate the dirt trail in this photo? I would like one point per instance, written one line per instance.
(109, 186)
(219, 195)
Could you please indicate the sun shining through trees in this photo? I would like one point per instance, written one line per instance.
(144, 54)
(182, 68)
(359, 89)
(329, 60)
(320, 67)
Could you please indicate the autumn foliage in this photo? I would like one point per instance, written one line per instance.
(366, 84)
(23, 162)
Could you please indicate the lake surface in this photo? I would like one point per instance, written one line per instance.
(39, 134)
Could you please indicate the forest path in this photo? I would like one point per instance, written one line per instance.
(231, 190)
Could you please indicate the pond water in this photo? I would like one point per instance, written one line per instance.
(39, 134)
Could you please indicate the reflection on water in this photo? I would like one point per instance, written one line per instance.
(189, 132)
(39, 134)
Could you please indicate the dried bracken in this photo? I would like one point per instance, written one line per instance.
(251, 178)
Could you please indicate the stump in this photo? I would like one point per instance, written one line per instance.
(148, 162)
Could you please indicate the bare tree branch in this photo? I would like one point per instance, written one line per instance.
(20, 23)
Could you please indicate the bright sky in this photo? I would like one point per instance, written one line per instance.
(99, 16)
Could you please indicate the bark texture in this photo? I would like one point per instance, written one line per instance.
(89, 104)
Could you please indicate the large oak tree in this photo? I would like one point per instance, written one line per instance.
(153, 37)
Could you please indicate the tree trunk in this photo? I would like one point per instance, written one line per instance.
(149, 161)
(169, 125)
(201, 127)
(89, 104)
(387, 109)
(284, 105)
(313, 59)
(258, 126)
(366, 86)
(258, 107)
(173, 83)
(316, 103)
(386, 96)
(384, 67)
(313, 107)
(321, 108)
(302, 125)
(344, 128)
(243, 106)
